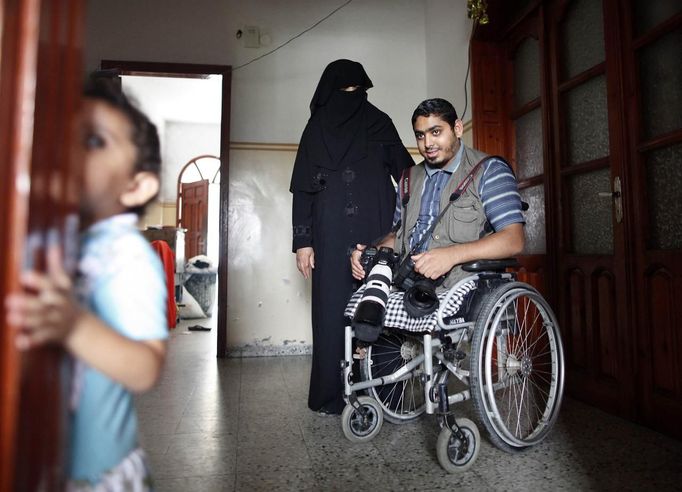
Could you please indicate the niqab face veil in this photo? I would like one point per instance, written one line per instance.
(337, 121)
(337, 75)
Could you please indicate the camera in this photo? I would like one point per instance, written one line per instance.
(420, 292)
(368, 320)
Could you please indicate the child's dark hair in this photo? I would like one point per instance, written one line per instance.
(144, 135)
(436, 107)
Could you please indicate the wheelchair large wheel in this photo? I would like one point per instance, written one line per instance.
(362, 426)
(403, 401)
(517, 366)
(457, 455)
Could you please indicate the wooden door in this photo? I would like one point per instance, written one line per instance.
(591, 179)
(510, 118)
(40, 79)
(194, 216)
(611, 104)
(529, 149)
(652, 34)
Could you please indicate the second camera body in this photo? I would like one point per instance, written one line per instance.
(383, 269)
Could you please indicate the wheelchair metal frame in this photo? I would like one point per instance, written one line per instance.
(421, 366)
(458, 332)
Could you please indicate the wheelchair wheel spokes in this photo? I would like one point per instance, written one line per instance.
(517, 383)
(402, 401)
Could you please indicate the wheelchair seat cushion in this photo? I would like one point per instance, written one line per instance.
(397, 317)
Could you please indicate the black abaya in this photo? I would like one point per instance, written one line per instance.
(342, 196)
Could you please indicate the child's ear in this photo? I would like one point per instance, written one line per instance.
(143, 187)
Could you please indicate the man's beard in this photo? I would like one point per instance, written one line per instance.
(443, 161)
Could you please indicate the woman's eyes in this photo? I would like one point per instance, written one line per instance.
(435, 133)
(93, 141)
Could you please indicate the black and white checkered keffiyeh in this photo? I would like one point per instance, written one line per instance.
(397, 317)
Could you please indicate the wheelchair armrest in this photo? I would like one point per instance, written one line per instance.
(490, 265)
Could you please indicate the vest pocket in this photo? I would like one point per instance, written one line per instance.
(463, 221)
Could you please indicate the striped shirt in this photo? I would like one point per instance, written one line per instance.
(497, 188)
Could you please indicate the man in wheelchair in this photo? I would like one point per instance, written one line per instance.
(456, 207)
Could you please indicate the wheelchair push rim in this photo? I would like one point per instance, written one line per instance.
(519, 373)
(403, 401)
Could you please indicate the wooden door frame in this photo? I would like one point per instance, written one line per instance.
(40, 87)
(189, 69)
(18, 62)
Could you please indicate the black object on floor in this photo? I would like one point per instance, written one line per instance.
(199, 328)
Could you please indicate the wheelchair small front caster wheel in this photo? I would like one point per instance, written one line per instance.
(361, 426)
(457, 455)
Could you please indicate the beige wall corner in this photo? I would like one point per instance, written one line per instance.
(268, 300)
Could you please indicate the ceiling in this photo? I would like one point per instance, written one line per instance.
(166, 99)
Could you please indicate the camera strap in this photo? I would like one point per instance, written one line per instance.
(405, 186)
(459, 191)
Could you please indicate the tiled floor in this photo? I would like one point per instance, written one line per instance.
(243, 424)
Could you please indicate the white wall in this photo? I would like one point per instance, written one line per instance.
(411, 49)
(270, 96)
(446, 45)
(183, 142)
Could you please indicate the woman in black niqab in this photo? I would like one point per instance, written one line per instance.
(342, 195)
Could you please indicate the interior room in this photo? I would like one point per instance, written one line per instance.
(583, 99)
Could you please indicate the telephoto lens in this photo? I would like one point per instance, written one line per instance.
(368, 320)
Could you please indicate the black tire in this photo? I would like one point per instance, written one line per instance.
(454, 455)
(357, 428)
(517, 367)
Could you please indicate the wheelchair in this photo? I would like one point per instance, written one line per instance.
(502, 345)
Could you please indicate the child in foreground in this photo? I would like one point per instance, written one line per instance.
(113, 321)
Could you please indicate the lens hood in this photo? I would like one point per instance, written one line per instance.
(421, 299)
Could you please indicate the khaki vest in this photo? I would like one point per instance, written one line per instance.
(462, 223)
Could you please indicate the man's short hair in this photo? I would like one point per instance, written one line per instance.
(436, 107)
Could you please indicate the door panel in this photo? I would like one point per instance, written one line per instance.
(604, 284)
(654, 77)
(664, 341)
(586, 121)
(592, 242)
(194, 216)
(40, 79)
(660, 344)
(575, 325)
(591, 214)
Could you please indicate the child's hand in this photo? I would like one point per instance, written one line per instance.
(46, 312)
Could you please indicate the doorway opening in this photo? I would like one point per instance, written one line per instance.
(190, 127)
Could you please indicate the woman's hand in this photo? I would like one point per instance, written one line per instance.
(305, 261)
(355, 265)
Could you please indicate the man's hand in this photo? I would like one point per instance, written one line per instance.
(305, 261)
(46, 312)
(502, 244)
(355, 266)
(435, 263)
